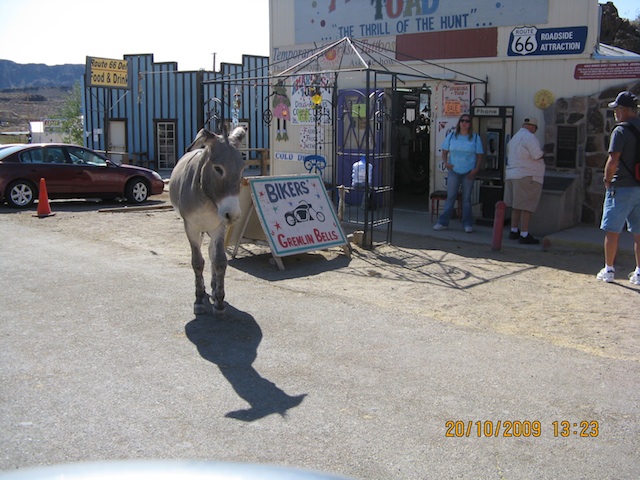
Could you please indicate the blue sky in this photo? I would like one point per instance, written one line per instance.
(627, 8)
(55, 32)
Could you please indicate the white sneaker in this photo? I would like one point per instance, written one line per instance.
(634, 278)
(468, 229)
(439, 226)
(606, 275)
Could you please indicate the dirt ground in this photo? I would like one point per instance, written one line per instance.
(552, 296)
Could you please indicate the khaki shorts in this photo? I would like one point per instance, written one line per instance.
(522, 194)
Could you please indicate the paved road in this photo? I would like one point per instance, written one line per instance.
(102, 359)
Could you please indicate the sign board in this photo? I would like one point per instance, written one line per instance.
(452, 108)
(456, 98)
(331, 20)
(497, 111)
(108, 73)
(597, 71)
(247, 227)
(547, 41)
(296, 214)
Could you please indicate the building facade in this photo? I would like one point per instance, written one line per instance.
(502, 61)
(154, 120)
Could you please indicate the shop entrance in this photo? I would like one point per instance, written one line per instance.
(411, 121)
(365, 112)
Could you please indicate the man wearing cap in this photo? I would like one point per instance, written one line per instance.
(622, 197)
(524, 175)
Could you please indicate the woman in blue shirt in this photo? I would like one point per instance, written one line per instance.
(461, 153)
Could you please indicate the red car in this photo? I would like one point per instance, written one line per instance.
(70, 171)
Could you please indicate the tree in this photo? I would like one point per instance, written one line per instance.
(71, 115)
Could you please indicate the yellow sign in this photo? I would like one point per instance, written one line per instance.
(106, 72)
(452, 108)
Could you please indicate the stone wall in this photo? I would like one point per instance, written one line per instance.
(592, 122)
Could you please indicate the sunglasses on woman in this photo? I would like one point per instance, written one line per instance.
(465, 120)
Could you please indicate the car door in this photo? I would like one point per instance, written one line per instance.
(93, 175)
(50, 163)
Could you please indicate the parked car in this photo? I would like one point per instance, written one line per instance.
(70, 171)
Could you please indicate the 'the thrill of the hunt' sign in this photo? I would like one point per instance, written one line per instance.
(296, 214)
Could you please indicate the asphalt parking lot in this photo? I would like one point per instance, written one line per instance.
(398, 363)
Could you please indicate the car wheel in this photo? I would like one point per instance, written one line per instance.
(137, 191)
(21, 194)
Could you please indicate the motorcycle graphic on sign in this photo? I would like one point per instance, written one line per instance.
(302, 213)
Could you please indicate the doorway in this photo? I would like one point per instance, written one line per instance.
(412, 122)
(117, 141)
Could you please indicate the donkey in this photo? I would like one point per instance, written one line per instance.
(204, 189)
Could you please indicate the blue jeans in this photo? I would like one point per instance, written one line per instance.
(453, 185)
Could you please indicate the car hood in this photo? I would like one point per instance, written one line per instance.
(133, 167)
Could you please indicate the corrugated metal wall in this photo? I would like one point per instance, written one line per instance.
(220, 88)
(161, 93)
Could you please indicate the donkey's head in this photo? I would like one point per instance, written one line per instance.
(221, 171)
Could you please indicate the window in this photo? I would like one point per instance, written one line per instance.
(166, 144)
(54, 155)
(81, 156)
(31, 156)
(567, 147)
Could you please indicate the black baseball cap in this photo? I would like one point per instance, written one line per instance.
(624, 99)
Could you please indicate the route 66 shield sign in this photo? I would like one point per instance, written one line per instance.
(523, 41)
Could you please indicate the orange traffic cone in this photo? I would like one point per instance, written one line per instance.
(44, 210)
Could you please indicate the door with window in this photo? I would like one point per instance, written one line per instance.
(117, 140)
(166, 144)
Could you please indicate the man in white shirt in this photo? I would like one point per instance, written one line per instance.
(524, 175)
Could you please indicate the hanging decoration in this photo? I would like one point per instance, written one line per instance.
(235, 111)
(281, 104)
(317, 97)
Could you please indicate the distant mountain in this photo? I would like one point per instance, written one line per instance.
(32, 75)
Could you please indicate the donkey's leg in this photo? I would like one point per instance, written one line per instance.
(218, 258)
(201, 304)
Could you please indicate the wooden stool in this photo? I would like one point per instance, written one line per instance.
(439, 195)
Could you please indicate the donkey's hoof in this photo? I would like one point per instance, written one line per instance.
(219, 307)
(201, 308)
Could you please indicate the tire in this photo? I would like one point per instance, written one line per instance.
(290, 219)
(137, 191)
(21, 194)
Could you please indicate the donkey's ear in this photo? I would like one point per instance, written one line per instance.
(203, 138)
(237, 136)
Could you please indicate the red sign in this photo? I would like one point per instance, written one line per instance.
(597, 71)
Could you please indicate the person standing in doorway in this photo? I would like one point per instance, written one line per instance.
(461, 154)
(524, 175)
(622, 197)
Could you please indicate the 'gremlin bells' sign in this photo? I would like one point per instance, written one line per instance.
(296, 214)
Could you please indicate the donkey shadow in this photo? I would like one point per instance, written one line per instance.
(231, 342)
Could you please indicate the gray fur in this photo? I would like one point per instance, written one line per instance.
(204, 189)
